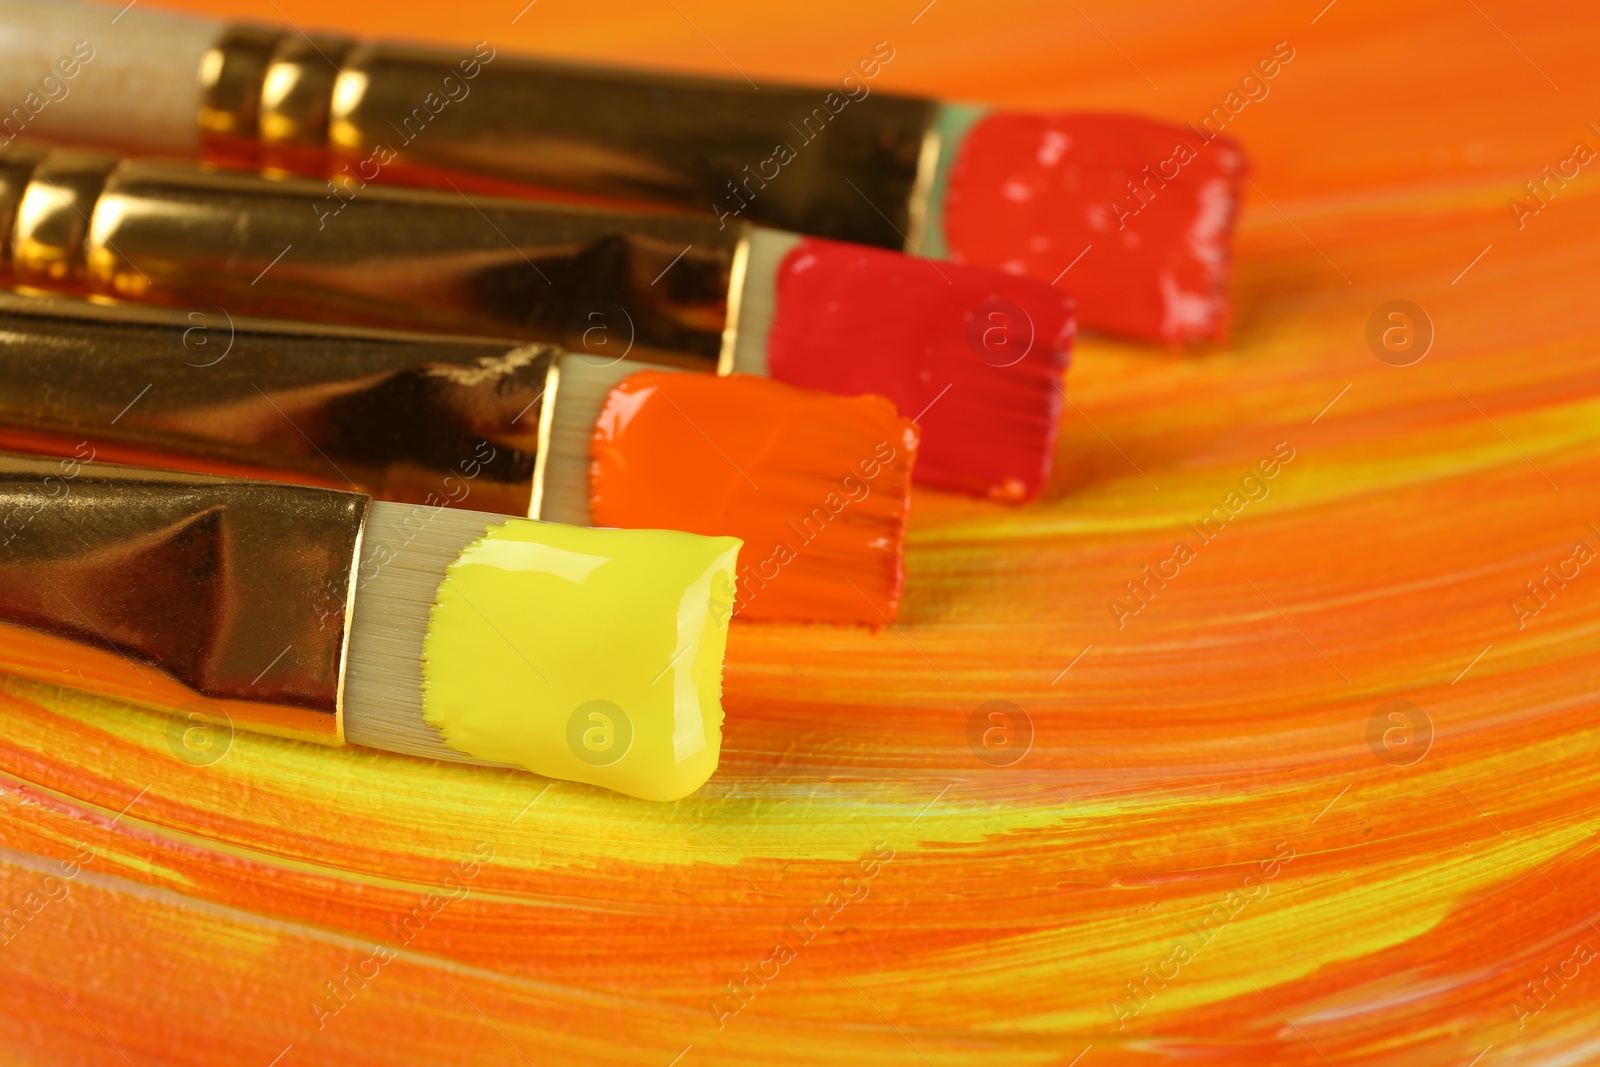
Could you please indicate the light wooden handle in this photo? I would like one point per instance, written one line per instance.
(101, 74)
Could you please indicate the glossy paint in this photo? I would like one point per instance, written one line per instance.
(975, 356)
(817, 486)
(1149, 206)
(586, 655)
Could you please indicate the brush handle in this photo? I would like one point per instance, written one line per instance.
(802, 158)
(430, 421)
(653, 287)
(220, 599)
(841, 160)
(104, 74)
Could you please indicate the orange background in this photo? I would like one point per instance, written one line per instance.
(1223, 725)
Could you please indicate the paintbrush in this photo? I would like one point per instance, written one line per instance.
(974, 355)
(1148, 207)
(589, 655)
(439, 422)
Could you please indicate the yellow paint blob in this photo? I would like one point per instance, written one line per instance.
(590, 655)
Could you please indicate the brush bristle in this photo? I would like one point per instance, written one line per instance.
(757, 300)
(405, 551)
(590, 655)
(574, 397)
(1149, 206)
(827, 526)
(974, 355)
(816, 485)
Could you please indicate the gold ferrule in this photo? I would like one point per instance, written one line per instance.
(17, 165)
(225, 599)
(609, 284)
(295, 98)
(840, 160)
(231, 76)
(432, 421)
(52, 225)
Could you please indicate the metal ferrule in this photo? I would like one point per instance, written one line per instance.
(223, 598)
(856, 165)
(432, 421)
(231, 77)
(612, 284)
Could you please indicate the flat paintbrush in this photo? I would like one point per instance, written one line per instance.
(439, 422)
(321, 615)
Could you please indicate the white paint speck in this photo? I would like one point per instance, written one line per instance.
(1016, 191)
(1185, 314)
(1054, 148)
(1208, 233)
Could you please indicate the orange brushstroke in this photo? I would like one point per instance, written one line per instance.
(1169, 758)
(817, 486)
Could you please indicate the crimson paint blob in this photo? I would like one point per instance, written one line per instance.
(975, 356)
(1148, 206)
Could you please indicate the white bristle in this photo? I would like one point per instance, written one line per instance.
(573, 399)
(405, 551)
(757, 300)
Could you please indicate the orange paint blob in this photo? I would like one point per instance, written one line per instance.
(816, 485)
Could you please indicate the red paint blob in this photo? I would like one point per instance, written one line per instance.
(816, 485)
(1153, 203)
(974, 355)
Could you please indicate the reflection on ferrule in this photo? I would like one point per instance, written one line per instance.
(53, 217)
